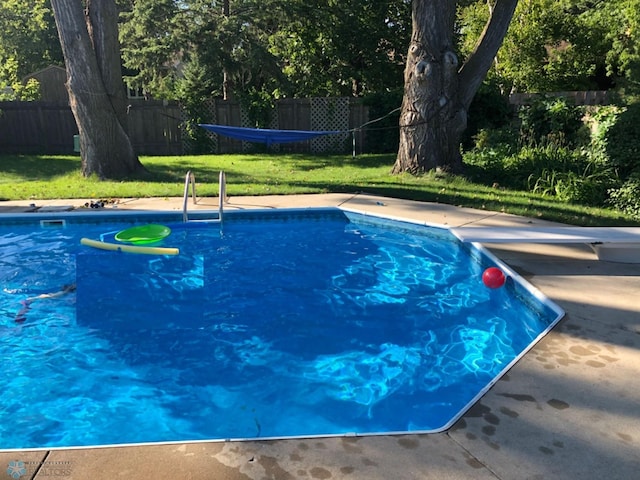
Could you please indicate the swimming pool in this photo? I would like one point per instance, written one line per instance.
(270, 325)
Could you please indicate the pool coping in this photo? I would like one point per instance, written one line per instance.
(566, 409)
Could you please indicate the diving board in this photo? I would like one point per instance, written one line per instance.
(616, 244)
(548, 234)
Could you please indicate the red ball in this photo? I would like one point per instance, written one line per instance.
(493, 277)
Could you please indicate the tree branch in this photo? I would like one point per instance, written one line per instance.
(477, 65)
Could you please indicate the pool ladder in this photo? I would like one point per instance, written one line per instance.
(190, 180)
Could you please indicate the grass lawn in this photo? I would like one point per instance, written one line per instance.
(46, 177)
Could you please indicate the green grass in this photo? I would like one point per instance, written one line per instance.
(48, 177)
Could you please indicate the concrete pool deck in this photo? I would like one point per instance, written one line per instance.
(570, 408)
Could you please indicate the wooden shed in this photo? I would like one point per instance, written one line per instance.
(52, 80)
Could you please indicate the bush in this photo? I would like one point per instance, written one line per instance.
(587, 188)
(522, 169)
(627, 197)
(503, 139)
(489, 110)
(601, 119)
(616, 138)
(192, 91)
(554, 154)
(484, 166)
(550, 120)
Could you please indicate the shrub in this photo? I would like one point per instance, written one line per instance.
(587, 188)
(489, 110)
(601, 119)
(550, 120)
(627, 197)
(555, 154)
(524, 168)
(504, 139)
(484, 165)
(618, 139)
(192, 91)
(485, 161)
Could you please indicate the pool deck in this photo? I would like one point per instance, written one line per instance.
(569, 409)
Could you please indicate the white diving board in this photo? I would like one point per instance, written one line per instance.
(548, 234)
(616, 244)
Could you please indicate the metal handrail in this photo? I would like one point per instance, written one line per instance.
(190, 179)
(222, 193)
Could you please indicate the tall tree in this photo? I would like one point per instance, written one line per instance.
(226, 38)
(437, 89)
(556, 45)
(343, 47)
(152, 35)
(89, 40)
(283, 47)
(624, 57)
(552, 45)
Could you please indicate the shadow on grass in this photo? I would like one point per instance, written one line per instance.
(175, 170)
(38, 167)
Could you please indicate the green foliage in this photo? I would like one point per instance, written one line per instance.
(622, 20)
(259, 106)
(531, 161)
(550, 120)
(351, 47)
(504, 138)
(559, 45)
(616, 138)
(470, 22)
(623, 141)
(342, 48)
(14, 89)
(29, 91)
(193, 90)
(151, 33)
(28, 41)
(383, 136)
(484, 162)
(549, 170)
(600, 121)
(589, 187)
(489, 110)
(196, 85)
(627, 198)
(282, 47)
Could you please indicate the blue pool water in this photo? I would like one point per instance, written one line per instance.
(271, 325)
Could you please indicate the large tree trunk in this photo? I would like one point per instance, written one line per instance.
(437, 94)
(89, 40)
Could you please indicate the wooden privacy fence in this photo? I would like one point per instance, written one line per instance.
(49, 128)
(36, 127)
(157, 127)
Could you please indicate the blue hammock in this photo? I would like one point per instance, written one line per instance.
(266, 136)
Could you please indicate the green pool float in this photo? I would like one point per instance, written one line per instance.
(143, 234)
